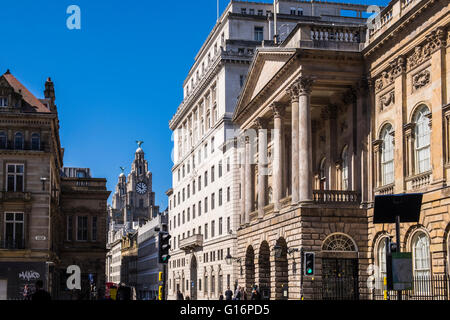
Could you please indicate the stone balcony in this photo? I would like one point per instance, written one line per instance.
(191, 243)
(336, 197)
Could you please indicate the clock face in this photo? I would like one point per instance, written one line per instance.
(141, 187)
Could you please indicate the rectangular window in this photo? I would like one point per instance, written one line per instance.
(188, 191)
(228, 164)
(244, 10)
(193, 186)
(220, 197)
(199, 183)
(3, 102)
(220, 226)
(193, 211)
(213, 228)
(206, 150)
(206, 178)
(252, 11)
(199, 208)
(259, 33)
(213, 201)
(184, 221)
(213, 169)
(220, 168)
(82, 228)
(212, 145)
(260, 12)
(14, 181)
(206, 204)
(14, 231)
(94, 228)
(206, 231)
(228, 224)
(69, 228)
(228, 194)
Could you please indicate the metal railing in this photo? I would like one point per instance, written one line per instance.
(435, 287)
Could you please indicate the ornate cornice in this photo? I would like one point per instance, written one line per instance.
(261, 123)
(278, 109)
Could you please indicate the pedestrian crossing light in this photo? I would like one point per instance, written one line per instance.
(164, 246)
(309, 263)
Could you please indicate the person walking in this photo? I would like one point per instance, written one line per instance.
(179, 295)
(237, 294)
(40, 294)
(228, 294)
(255, 293)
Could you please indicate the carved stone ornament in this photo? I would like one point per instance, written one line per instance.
(261, 123)
(387, 99)
(300, 86)
(421, 79)
(278, 109)
(420, 54)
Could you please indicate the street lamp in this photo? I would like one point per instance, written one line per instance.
(229, 259)
(278, 251)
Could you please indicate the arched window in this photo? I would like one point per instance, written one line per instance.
(339, 242)
(387, 155)
(381, 258)
(323, 174)
(3, 140)
(421, 254)
(18, 141)
(422, 137)
(35, 141)
(344, 173)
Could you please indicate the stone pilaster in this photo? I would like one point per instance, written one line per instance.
(278, 113)
(261, 125)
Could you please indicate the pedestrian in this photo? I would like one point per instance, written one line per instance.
(40, 294)
(255, 293)
(187, 298)
(221, 297)
(26, 292)
(179, 295)
(243, 294)
(228, 294)
(237, 294)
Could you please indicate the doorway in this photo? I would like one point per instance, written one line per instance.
(340, 279)
(193, 284)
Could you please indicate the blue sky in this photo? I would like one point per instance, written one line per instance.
(117, 80)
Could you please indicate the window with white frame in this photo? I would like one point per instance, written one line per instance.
(14, 230)
(387, 155)
(344, 173)
(381, 256)
(15, 178)
(422, 140)
(421, 254)
(259, 33)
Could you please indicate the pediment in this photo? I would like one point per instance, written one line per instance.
(264, 67)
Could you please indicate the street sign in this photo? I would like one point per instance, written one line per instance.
(388, 207)
(402, 273)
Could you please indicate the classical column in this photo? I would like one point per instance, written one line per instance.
(278, 112)
(248, 181)
(294, 93)
(261, 125)
(409, 145)
(242, 185)
(304, 137)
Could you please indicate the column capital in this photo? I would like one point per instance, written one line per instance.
(278, 109)
(301, 86)
(261, 123)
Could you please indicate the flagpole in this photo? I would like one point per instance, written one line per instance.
(275, 29)
(217, 10)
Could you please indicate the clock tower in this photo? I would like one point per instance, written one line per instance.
(134, 200)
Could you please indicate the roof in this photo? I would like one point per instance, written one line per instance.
(26, 94)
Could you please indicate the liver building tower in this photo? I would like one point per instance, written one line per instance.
(133, 202)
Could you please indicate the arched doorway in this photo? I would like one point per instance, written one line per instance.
(249, 269)
(264, 270)
(281, 271)
(193, 284)
(339, 268)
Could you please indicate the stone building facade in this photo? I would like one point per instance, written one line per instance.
(38, 197)
(204, 203)
(337, 114)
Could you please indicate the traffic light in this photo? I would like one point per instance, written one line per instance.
(309, 263)
(164, 246)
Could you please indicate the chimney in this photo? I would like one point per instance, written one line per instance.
(49, 92)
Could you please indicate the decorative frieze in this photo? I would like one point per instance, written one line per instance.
(421, 79)
(387, 100)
